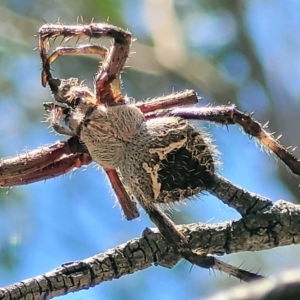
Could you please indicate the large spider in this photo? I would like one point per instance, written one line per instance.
(148, 150)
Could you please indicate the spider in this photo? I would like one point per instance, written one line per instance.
(150, 152)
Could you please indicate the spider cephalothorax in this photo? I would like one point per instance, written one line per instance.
(149, 150)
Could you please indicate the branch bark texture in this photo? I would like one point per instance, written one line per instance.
(276, 225)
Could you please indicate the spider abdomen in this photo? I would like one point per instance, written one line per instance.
(168, 161)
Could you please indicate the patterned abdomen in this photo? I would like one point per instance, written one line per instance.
(168, 161)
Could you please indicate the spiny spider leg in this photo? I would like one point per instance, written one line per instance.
(57, 168)
(128, 206)
(186, 97)
(113, 63)
(197, 257)
(37, 159)
(78, 50)
(230, 115)
(41, 164)
(81, 50)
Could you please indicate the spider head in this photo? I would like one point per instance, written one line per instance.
(73, 99)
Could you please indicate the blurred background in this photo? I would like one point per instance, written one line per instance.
(241, 52)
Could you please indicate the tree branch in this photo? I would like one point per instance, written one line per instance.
(276, 225)
(285, 285)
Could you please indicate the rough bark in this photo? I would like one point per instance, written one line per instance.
(276, 225)
(285, 286)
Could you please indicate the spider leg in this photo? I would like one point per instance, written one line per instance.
(113, 63)
(128, 206)
(228, 115)
(79, 50)
(186, 97)
(41, 164)
(62, 51)
(178, 240)
(54, 169)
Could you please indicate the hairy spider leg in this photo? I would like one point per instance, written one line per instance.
(113, 63)
(60, 167)
(128, 206)
(78, 50)
(41, 164)
(82, 50)
(228, 115)
(187, 97)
